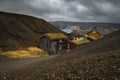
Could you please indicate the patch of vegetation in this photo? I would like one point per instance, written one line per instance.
(56, 35)
(28, 53)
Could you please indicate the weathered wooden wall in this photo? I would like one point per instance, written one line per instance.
(45, 44)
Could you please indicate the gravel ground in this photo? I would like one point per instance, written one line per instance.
(99, 60)
(14, 64)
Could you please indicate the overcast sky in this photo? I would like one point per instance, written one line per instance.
(66, 10)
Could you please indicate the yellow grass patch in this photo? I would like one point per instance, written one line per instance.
(35, 50)
(56, 35)
(79, 42)
(28, 53)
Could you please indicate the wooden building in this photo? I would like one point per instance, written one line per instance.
(94, 35)
(54, 42)
(73, 45)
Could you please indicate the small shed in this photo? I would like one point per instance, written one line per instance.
(54, 42)
(94, 35)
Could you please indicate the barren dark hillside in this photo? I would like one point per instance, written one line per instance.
(98, 60)
(21, 31)
(109, 42)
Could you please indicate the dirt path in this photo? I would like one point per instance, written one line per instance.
(16, 64)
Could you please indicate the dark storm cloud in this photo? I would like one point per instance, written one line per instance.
(99, 10)
(68, 10)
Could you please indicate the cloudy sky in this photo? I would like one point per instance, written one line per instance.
(66, 10)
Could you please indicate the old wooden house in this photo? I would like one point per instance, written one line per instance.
(54, 42)
(94, 35)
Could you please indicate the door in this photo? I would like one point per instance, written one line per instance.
(45, 45)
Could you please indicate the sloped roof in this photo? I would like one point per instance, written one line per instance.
(79, 42)
(54, 36)
(94, 35)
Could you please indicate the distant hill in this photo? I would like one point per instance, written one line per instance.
(86, 24)
(104, 28)
(18, 30)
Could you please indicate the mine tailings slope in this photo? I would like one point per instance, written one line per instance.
(98, 60)
(18, 30)
(109, 42)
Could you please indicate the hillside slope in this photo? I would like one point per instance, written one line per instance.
(98, 60)
(21, 31)
(110, 42)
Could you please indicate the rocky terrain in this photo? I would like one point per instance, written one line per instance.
(97, 60)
